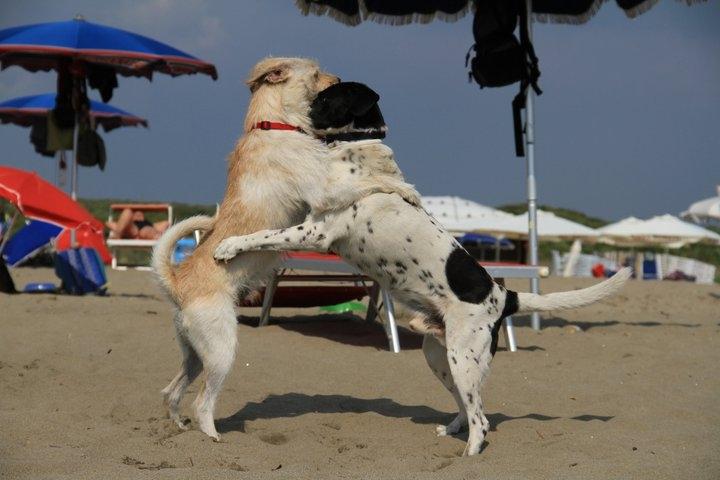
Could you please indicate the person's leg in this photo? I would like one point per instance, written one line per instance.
(161, 226)
(124, 227)
(148, 233)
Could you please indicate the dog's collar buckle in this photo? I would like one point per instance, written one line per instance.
(265, 125)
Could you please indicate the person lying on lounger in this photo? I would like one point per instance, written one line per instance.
(132, 224)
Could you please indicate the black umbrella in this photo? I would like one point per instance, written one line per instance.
(499, 58)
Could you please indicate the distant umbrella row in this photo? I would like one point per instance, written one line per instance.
(461, 216)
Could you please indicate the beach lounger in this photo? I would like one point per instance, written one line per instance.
(118, 244)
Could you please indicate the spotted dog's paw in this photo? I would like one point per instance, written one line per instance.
(410, 195)
(228, 249)
(458, 424)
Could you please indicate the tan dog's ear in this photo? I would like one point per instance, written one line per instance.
(278, 74)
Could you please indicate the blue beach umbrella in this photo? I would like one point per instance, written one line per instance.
(25, 111)
(89, 53)
(44, 46)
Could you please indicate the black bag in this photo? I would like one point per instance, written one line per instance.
(499, 58)
(91, 149)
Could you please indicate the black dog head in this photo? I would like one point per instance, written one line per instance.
(347, 111)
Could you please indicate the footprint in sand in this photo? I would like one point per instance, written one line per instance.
(273, 438)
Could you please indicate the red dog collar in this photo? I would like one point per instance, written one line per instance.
(265, 125)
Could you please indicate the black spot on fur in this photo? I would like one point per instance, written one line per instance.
(511, 304)
(352, 170)
(454, 360)
(408, 239)
(470, 397)
(300, 227)
(467, 279)
(321, 237)
(495, 334)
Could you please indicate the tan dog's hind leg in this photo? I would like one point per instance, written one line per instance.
(190, 369)
(211, 326)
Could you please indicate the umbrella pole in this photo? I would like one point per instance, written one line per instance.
(76, 132)
(6, 233)
(531, 188)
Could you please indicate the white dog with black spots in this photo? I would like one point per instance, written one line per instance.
(405, 249)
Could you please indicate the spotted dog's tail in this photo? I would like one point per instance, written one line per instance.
(530, 302)
(161, 262)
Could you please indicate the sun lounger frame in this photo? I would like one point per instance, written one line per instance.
(338, 270)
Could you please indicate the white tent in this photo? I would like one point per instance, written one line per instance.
(459, 215)
(664, 230)
(708, 209)
(549, 226)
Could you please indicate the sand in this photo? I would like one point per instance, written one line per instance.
(625, 389)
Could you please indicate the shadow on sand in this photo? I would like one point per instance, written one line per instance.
(290, 405)
(346, 328)
(524, 321)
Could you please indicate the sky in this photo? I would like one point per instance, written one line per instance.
(628, 123)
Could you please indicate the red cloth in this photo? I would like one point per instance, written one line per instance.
(598, 270)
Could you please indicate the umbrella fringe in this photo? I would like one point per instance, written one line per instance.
(307, 8)
(394, 20)
(571, 19)
(640, 9)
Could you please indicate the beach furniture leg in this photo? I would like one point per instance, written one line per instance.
(373, 303)
(509, 334)
(390, 325)
(268, 299)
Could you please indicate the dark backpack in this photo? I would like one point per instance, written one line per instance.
(6, 282)
(500, 58)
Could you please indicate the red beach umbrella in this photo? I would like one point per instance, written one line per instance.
(38, 199)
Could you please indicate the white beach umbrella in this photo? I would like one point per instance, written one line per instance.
(460, 215)
(549, 226)
(708, 209)
(665, 230)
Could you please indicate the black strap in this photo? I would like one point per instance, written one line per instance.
(531, 77)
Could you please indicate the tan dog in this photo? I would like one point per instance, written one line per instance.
(274, 180)
(271, 182)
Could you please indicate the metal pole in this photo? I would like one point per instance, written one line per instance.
(531, 187)
(76, 133)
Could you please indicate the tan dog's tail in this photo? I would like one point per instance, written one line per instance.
(161, 255)
(530, 302)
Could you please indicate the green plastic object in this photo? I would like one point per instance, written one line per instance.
(351, 306)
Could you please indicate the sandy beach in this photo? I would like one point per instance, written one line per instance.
(627, 388)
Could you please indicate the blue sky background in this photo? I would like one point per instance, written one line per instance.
(629, 122)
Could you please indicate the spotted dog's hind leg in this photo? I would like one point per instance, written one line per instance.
(436, 356)
(469, 339)
(308, 236)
